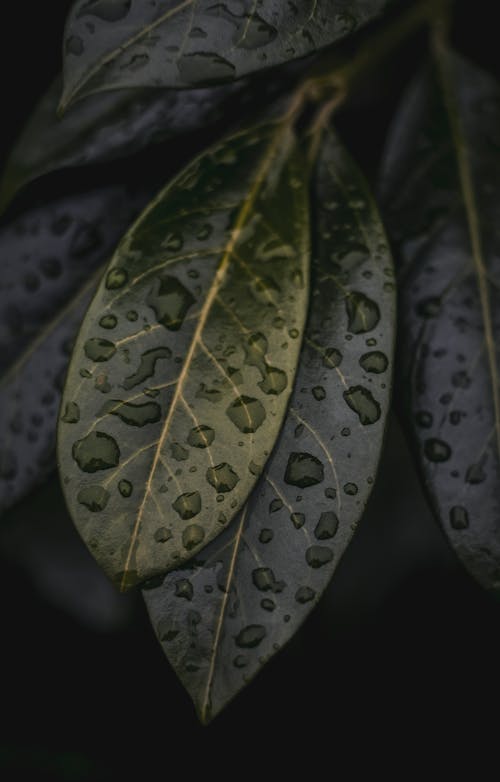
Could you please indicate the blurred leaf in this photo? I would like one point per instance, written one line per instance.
(183, 367)
(182, 43)
(119, 124)
(51, 260)
(441, 188)
(221, 617)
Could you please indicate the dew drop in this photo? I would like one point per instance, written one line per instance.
(266, 535)
(363, 314)
(184, 589)
(170, 302)
(222, 477)
(246, 413)
(362, 402)
(304, 594)
(303, 470)
(188, 505)
(318, 556)
(374, 362)
(459, 518)
(201, 436)
(95, 498)
(71, 413)
(116, 278)
(192, 536)
(263, 578)
(97, 451)
(97, 349)
(298, 520)
(125, 488)
(250, 636)
(274, 382)
(108, 322)
(327, 526)
(437, 450)
(319, 393)
(332, 358)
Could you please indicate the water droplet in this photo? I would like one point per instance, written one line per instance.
(179, 453)
(192, 536)
(318, 556)
(475, 474)
(332, 358)
(424, 419)
(350, 489)
(459, 518)
(96, 451)
(130, 413)
(362, 402)
(184, 589)
(327, 526)
(132, 316)
(363, 314)
(375, 362)
(319, 393)
(214, 67)
(250, 636)
(170, 301)
(125, 488)
(437, 450)
(71, 413)
(188, 505)
(266, 535)
(146, 367)
(162, 534)
(94, 497)
(108, 322)
(267, 604)
(116, 278)
(303, 470)
(274, 382)
(222, 477)
(201, 436)
(246, 413)
(97, 349)
(305, 594)
(298, 520)
(275, 505)
(265, 581)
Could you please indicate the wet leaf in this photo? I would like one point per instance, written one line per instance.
(208, 293)
(183, 43)
(221, 617)
(50, 256)
(442, 191)
(118, 124)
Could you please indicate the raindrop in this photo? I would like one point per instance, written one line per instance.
(363, 314)
(362, 402)
(108, 322)
(250, 636)
(266, 535)
(274, 382)
(319, 393)
(437, 450)
(162, 534)
(305, 594)
(318, 556)
(146, 367)
(222, 477)
(116, 278)
(184, 589)
(214, 67)
(125, 488)
(179, 453)
(99, 350)
(374, 362)
(201, 436)
(350, 489)
(267, 604)
(96, 451)
(298, 520)
(107, 10)
(71, 413)
(459, 518)
(303, 470)
(332, 358)
(327, 526)
(170, 302)
(192, 536)
(187, 506)
(275, 505)
(130, 413)
(424, 419)
(95, 498)
(265, 581)
(246, 413)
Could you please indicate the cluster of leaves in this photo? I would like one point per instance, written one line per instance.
(230, 368)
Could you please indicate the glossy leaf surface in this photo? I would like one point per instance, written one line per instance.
(183, 43)
(222, 617)
(50, 257)
(193, 339)
(441, 187)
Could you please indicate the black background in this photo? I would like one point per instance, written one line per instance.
(402, 653)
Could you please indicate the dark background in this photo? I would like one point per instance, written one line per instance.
(403, 652)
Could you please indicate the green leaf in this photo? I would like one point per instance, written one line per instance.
(183, 43)
(225, 614)
(50, 258)
(209, 293)
(441, 187)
